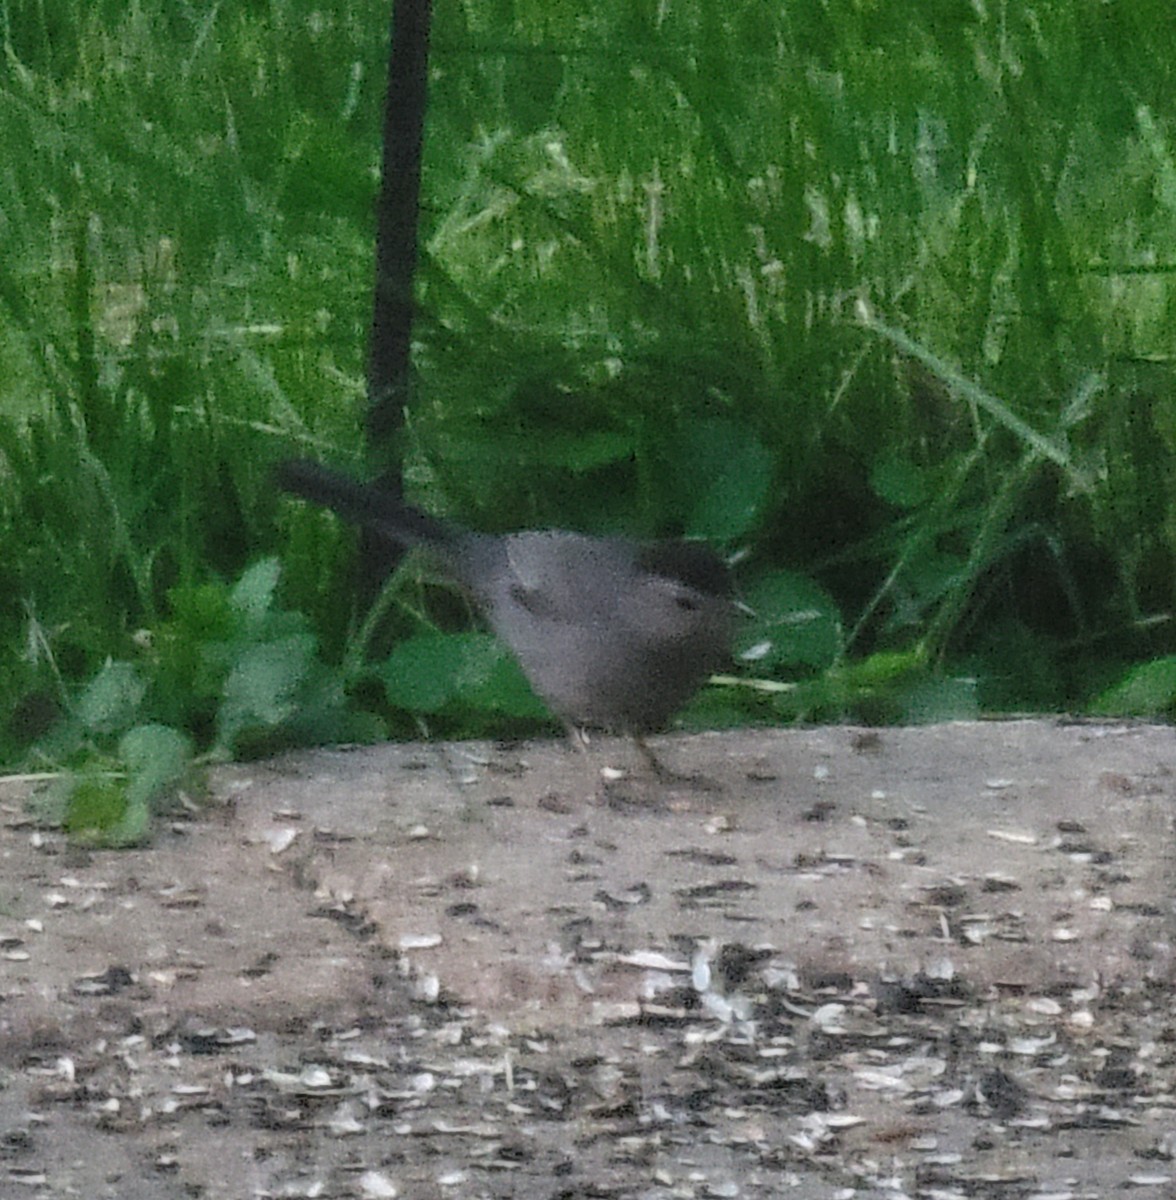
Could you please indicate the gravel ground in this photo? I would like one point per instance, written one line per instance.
(926, 962)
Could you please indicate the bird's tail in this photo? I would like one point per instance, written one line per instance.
(363, 503)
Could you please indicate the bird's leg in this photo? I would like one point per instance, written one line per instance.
(615, 788)
(667, 775)
(619, 785)
(578, 737)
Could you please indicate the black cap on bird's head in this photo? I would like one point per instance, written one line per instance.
(694, 564)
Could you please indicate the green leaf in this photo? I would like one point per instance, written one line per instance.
(418, 675)
(253, 594)
(504, 689)
(932, 700)
(899, 481)
(200, 613)
(111, 699)
(96, 806)
(323, 715)
(1148, 690)
(261, 690)
(156, 757)
(884, 669)
(728, 472)
(796, 624)
(135, 824)
(110, 802)
(436, 671)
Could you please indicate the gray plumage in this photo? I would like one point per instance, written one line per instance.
(612, 634)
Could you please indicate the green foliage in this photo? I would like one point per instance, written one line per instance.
(1148, 690)
(437, 673)
(229, 667)
(110, 797)
(111, 699)
(880, 299)
(727, 472)
(112, 803)
(795, 625)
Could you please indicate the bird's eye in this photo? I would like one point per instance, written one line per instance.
(686, 601)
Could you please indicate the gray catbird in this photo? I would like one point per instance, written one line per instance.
(612, 634)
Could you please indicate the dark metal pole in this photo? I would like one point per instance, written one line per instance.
(389, 351)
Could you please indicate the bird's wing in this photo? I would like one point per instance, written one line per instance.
(565, 578)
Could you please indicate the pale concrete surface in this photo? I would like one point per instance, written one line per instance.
(1005, 886)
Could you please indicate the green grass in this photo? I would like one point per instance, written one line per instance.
(881, 298)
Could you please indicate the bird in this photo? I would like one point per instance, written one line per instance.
(612, 633)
